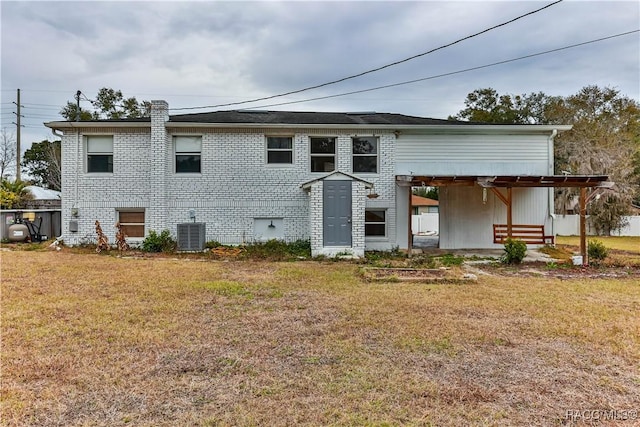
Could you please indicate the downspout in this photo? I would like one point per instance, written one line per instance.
(78, 162)
(551, 202)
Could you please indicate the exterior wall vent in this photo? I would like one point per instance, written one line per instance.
(191, 236)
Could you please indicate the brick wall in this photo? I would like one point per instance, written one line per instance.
(234, 187)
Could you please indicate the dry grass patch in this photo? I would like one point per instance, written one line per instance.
(99, 340)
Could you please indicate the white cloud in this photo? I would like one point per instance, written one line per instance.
(204, 53)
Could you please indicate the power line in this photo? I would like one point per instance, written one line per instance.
(493, 64)
(378, 68)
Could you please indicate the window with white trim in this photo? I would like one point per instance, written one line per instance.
(375, 222)
(132, 222)
(99, 153)
(365, 154)
(279, 150)
(323, 154)
(188, 151)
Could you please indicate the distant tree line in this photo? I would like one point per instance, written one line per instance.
(605, 139)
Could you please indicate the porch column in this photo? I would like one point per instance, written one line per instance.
(583, 226)
(409, 226)
(509, 212)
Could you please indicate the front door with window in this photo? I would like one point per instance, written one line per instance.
(337, 213)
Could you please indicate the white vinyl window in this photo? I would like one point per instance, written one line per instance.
(99, 153)
(188, 151)
(375, 222)
(365, 154)
(279, 150)
(323, 154)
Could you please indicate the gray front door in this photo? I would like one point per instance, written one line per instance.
(337, 213)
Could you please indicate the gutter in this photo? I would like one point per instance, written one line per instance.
(405, 129)
(458, 128)
(77, 125)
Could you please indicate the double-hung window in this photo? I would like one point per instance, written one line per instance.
(132, 222)
(188, 151)
(365, 154)
(99, 154)
(375, 222)
(323, 154)
(279, 150)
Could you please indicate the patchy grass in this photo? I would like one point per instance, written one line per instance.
(621, 243)
(623, 250)
(99, 340)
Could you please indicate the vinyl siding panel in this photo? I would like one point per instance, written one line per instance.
(467, 222)
(472, 154)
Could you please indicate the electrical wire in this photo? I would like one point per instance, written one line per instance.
(378, 68)
(493, 64)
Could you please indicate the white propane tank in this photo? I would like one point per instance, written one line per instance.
(18, 232)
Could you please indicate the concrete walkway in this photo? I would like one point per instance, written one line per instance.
(429, 245)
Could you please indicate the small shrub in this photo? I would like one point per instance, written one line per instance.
(421, 261)
(514, 251)
(162, 242)
(449, 260)
(597, 251)
(278, 250)
(384, 255)
(301, 248)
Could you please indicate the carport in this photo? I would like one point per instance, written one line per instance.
(589, 185)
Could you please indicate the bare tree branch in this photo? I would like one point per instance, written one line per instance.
(7, 152)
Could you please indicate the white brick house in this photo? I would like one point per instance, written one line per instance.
(256, 175)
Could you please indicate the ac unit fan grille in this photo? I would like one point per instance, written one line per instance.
(191, 236)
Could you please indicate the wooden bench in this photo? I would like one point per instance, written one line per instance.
(530, 234)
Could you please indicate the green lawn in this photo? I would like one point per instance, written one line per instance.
(631, 244)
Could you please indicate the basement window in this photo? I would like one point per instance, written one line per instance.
(132, 222)
(188, 151)
(100, 154)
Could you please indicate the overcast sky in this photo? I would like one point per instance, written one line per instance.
(203, 53)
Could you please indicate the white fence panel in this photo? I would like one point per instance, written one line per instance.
(631, 229)
(426, 223)
(569, 225)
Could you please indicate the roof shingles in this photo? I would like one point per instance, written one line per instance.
(306, 117)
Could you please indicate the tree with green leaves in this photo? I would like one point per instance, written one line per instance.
(427, 192)
(14, 194)
(488, 106)
(43, 163)
(108, 104)
(605, 139)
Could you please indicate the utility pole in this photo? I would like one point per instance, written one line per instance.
(78, 93)
(18, 126)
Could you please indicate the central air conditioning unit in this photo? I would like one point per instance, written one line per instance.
(191, 236)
